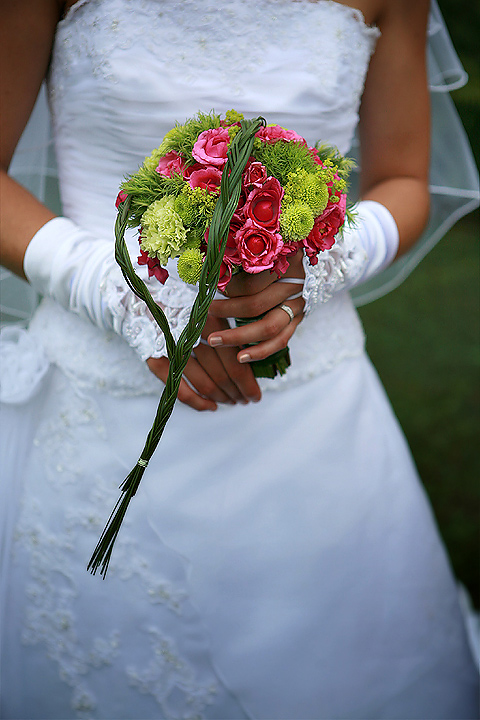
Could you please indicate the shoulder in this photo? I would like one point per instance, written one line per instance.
(27, 31)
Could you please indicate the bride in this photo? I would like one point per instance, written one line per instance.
(280, 559)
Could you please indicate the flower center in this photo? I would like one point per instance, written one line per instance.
(264, 210)
(255, 244)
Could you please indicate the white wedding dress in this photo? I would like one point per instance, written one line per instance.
(280, 559)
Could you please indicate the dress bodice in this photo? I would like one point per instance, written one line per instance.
(138, 67)
(135, 67)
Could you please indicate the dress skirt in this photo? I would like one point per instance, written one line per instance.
(280, 560)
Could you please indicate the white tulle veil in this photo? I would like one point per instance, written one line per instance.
(454, 181)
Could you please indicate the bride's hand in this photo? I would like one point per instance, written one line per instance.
(212, 376)
(218, 373)
(261, 294)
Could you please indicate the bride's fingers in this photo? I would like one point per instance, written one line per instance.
(267, 328)
(234, 382)
(254, 305)
(186, 394)
(265, 349)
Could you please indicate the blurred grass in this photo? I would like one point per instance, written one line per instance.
(424, 340)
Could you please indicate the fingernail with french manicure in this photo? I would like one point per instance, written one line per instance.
(244, 358)
(215, 341)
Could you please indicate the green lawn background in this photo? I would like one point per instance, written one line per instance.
(424, 339)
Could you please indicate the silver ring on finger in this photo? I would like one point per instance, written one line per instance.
(288, 310)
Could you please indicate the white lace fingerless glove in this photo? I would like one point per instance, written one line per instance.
(361, 252)
(79, 271)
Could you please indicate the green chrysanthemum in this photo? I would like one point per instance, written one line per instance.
(190, 265)
(309, 188)
(296, 221)
(163, 233)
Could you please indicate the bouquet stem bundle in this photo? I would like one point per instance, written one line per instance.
(178, 352)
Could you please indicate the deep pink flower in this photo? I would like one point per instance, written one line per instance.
(326, 226)
(314, 154)
(170, 163)
(274, 133)
(255, 174)
(206, 177)
(263, 204)
(211, 147)
(257, 247)
(225, 275)
(121, 197)
(281, 265)
(231, 250)
(153, 265)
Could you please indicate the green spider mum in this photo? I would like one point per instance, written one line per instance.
(296, 221)
(309, 188)
(190, 265)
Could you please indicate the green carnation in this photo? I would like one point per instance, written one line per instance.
(309, 188)
(163, 232)
(190, 265)
(296, 221)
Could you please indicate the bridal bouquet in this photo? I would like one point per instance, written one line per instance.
(223, 195)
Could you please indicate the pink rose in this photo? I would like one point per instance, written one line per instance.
(170, 163)
(257, 247)
(121, 197)
(274, 133)
(207, 177)
(263, 204)
(326, 226)
(254, 175)
(153, 265)
(211, 147)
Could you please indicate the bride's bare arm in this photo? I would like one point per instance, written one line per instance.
(395, 120)
(26, 37)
